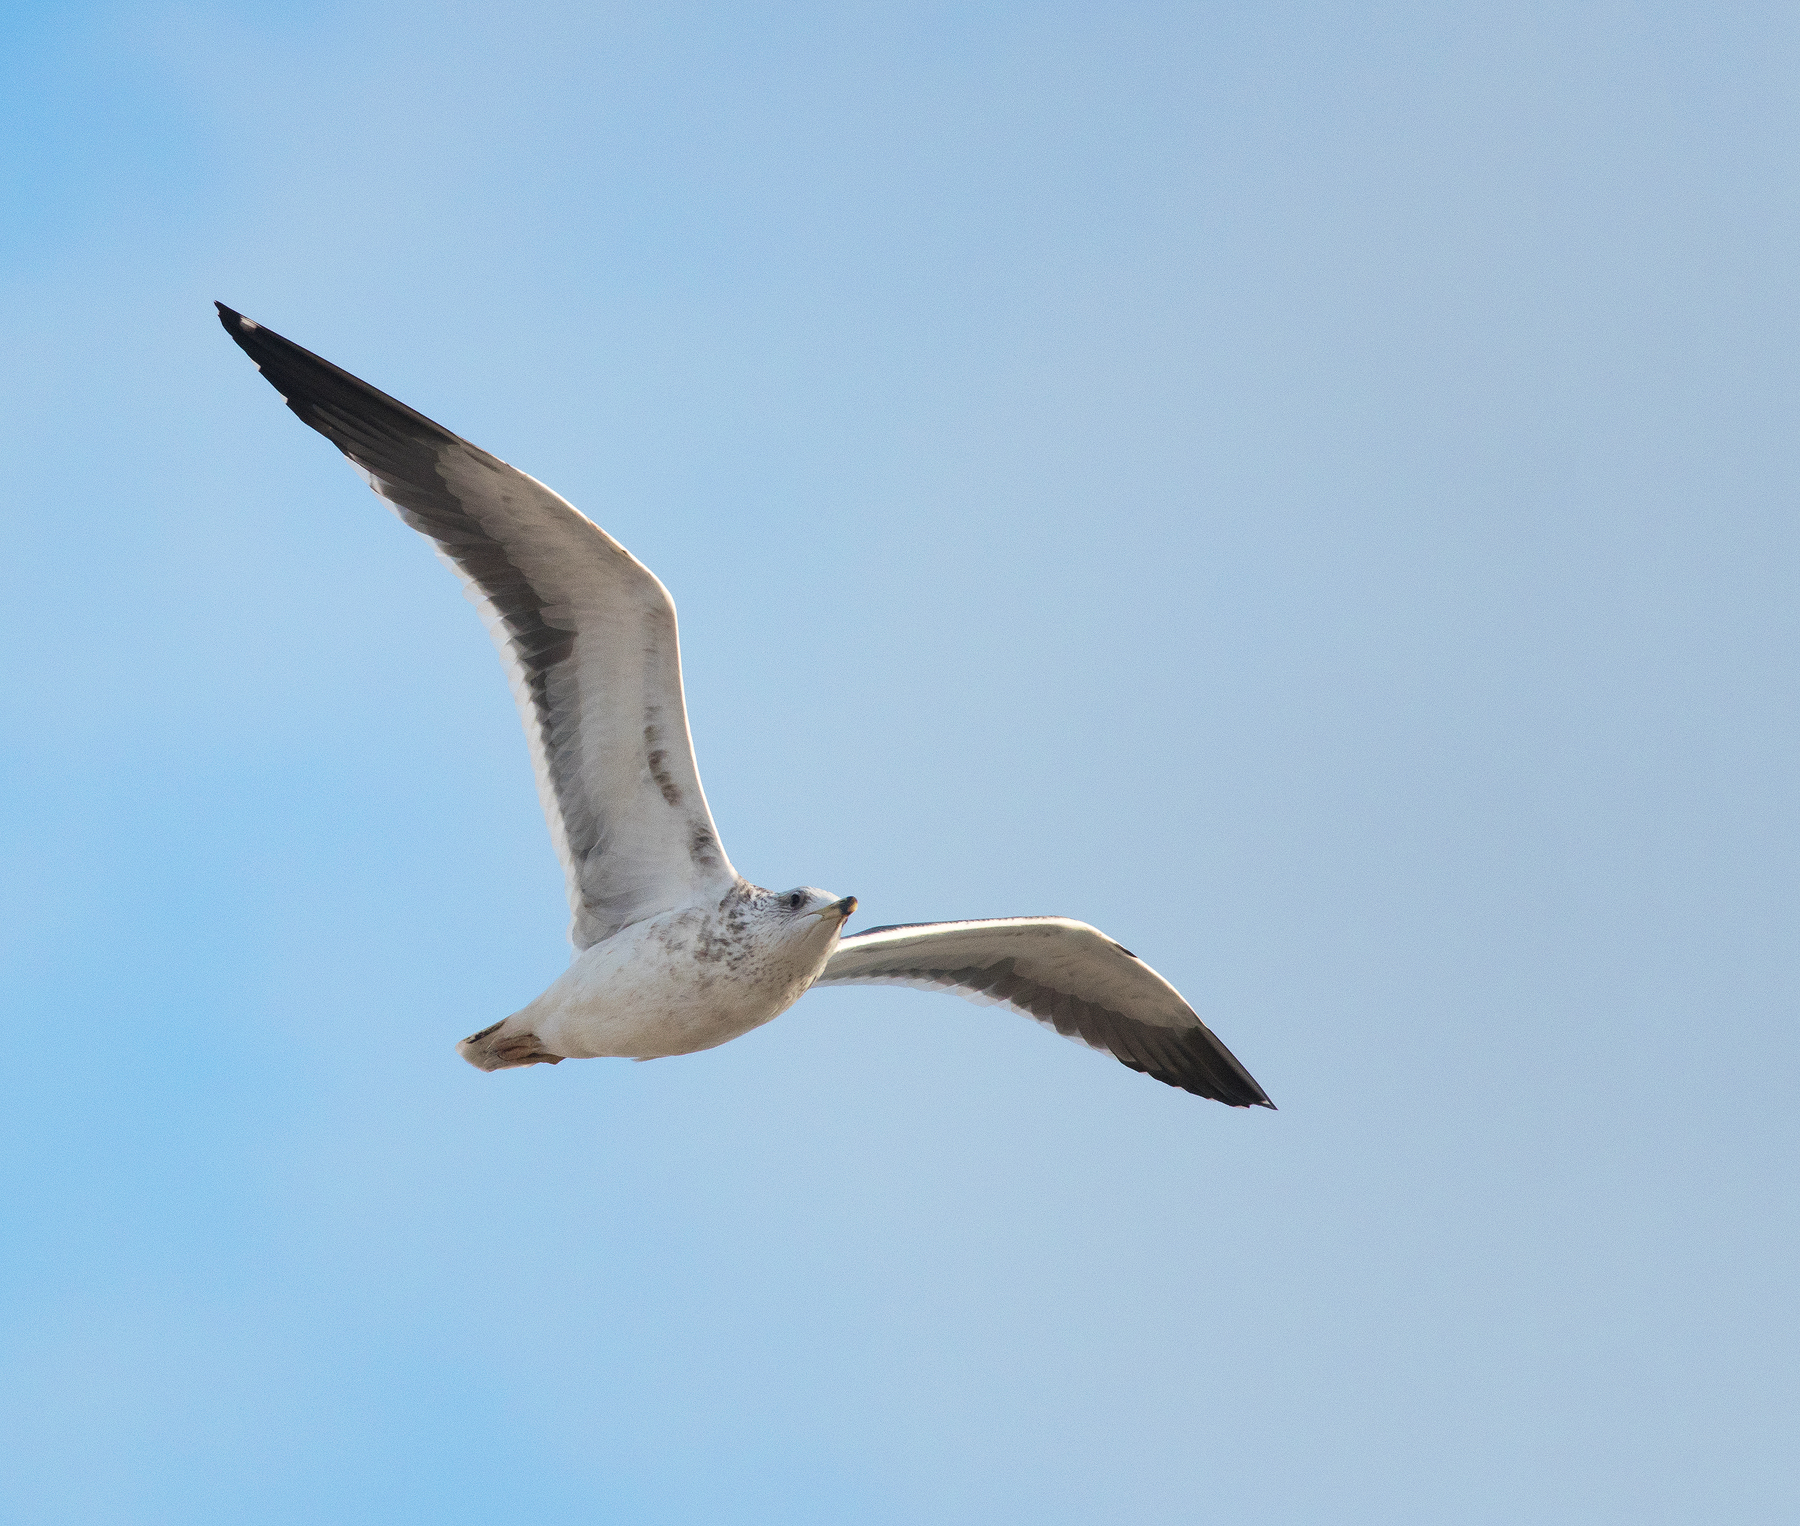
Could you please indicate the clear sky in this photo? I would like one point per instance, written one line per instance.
(1309, 488)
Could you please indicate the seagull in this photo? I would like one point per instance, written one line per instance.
(675, 951)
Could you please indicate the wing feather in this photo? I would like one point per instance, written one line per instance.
(586, 632)
(1067, 975)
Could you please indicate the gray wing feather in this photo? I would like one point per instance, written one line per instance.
(586, 631)
(1067, 975)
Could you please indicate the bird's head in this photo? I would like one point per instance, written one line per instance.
(807, 914)
(808, 903)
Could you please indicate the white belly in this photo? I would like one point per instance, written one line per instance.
(674, 984)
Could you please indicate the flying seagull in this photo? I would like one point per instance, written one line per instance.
(674, 950)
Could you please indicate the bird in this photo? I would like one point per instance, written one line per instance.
(674, 950)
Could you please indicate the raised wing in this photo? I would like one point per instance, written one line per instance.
(1067, 975)
(586, 631)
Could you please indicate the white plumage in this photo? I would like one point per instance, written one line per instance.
(675, 951)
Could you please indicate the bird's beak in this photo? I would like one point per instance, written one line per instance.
(839, 909)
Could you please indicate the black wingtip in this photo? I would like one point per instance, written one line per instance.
(321, 394)
(235, 323)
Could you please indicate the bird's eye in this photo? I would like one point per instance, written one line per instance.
(795, 900)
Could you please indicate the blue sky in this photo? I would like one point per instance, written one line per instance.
(1307, 488)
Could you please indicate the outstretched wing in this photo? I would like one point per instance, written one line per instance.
(586, 631)
(1067, 975)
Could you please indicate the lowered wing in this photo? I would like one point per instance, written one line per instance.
(1067, 975)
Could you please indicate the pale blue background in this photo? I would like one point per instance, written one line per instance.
(1309, 488)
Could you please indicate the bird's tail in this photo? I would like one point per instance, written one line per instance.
(494, 1048)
